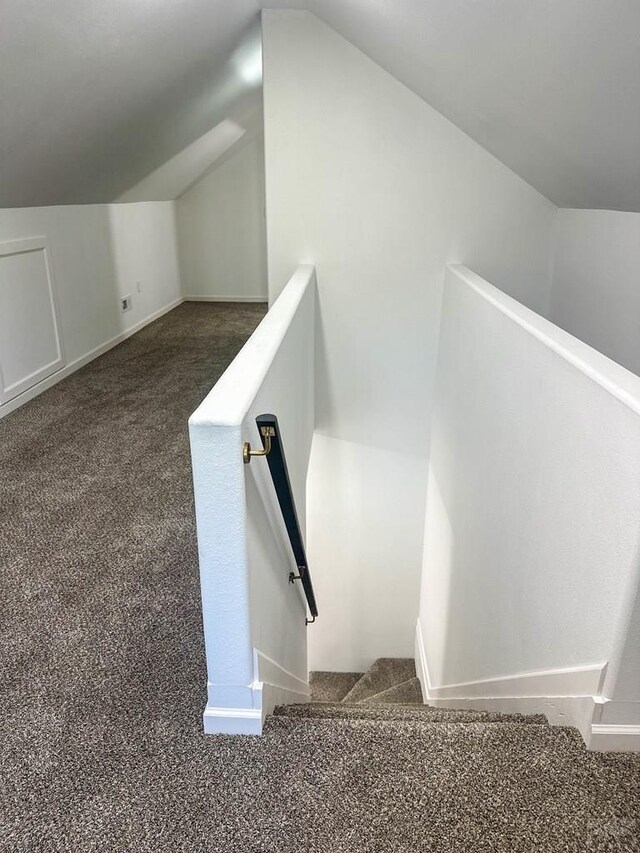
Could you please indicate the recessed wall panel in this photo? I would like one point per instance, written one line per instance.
(30, 348)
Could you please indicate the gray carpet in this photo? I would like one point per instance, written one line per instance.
(385, 674)
(332, 686)
(102, 666)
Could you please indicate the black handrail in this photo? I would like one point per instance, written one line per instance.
(270, 431)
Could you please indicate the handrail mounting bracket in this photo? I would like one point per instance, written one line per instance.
(267, 433)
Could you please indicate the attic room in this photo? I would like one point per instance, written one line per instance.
(320, 425)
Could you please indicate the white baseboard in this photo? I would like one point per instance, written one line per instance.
(263, 299)
(96, 352)
(567, 697)
(568, 681)
(232, 721)
(278, 686)
(614, 726)
(422, 670)
(610, 737)
(272, 685)
(70, 368)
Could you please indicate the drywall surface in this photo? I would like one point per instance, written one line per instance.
(533, 504)
(254, 619)
(379, 191)
(116, 90)
(221, 229)
(97, 253)
(146, 254)
(551, 90)
(181, 171)
(363, 570)
(596, 292)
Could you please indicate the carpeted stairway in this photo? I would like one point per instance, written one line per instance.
(389, 690)
(434, 779)
(102, 678)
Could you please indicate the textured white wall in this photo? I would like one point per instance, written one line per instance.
(221, 229)
(379, 191)
(596, 281)
(533, 505)
(249, 607)
(97, 253)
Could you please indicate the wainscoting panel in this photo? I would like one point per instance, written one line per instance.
(30, 345)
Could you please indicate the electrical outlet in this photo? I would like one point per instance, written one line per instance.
(139, 286)
(125, 303)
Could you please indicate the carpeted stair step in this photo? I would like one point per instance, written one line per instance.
(389, 713)
(332, 686)
(421, 732)
(370, 785)
(407, 693)
(382, 675)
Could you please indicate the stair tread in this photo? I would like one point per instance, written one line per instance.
(420, 731)
(391, 712)
(332, 686)
(358, 785)
(382, 675)
(406, 693)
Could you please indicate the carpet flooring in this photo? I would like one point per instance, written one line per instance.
(102, 666)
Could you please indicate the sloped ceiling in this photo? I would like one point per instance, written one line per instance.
(97, 94)
(550, 87)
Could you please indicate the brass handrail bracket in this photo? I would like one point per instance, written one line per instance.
(267, 433)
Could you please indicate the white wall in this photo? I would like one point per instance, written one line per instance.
(379, 191)
(221, 229)
(533, 505)
(364, 548)
(254, 619)
(596, 282)
(97, 252)
(146, 255)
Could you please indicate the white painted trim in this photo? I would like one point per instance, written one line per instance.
(569, 681)
(273, 696)
(583, 680)
(610, 737)
(272, 685)
(258, 299)
(231, 397)
(558, 697)
(421, 663)
(26, 383)
(615, 379)
(277, 685)
(52, 380)
(232, 721)
(268, 670)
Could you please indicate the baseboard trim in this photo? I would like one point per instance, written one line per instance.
(609, 737)
(276, 684)
(101, 349)
(259, 299)
(421, 663)
(272, 685)
(232, 721)
(584, 680)
(269, 671)
(567, 697)
(72, 367)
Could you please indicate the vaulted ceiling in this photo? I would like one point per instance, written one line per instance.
(96, 94)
